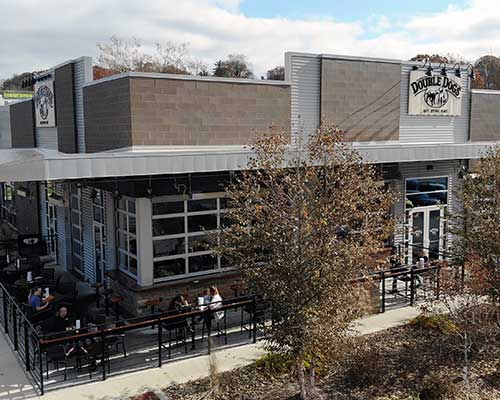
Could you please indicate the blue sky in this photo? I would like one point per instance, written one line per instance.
(344, 11)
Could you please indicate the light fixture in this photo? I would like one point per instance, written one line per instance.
(457, 70)
(471, 74)
(443, 70)
(429, 70)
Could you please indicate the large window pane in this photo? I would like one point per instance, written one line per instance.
(426, 185)
(132, 245)
(98, 214)
(167, 268)
(199, 223)
(202, 263)
(198, 243)
(202, 205)
(131, 224)
(173, 207)
(426, 199)
(133, 265)
(168, 247)
(122, 221)
(131, 206)
(122, 241)
(168, 226)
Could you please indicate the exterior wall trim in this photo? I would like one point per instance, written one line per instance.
(154, 75)
(485, 91)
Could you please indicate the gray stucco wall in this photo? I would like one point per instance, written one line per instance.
(362, 98)
(485, 116)
(22, 124)
(65, 109)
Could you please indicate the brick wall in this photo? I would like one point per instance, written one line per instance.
(485, 117)
(362, 98)
(65, 108)
(159, 111)
(188, 112)
(22, 124)
(107, 115)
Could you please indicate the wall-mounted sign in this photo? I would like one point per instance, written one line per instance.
(12, 95)
(434, 95)
(45, 104)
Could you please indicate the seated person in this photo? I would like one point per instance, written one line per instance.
(36, 301)
(177, 306)
(215, 302)
(59, 322)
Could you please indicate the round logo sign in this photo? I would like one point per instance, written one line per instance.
(436, 97)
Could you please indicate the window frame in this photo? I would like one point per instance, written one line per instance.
(118, 230)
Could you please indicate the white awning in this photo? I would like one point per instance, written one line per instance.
(37, 164)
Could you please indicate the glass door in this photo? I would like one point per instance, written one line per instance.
(426, 233)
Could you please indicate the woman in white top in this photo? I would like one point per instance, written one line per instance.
(215, 302)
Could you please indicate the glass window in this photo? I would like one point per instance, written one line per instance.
(168, 226)
(426, 192)
(127, 242)
(191, 248)
(174, 207)
(168, 268)
(204, 262)
(202, 205)
(168, 247)
(199, 223)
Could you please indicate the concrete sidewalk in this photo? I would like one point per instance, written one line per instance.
(14, 384)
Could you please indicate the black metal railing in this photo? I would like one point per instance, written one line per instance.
(94, 352)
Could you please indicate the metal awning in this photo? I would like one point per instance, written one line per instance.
(36, 164)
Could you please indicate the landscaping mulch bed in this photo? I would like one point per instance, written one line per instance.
(395, 364)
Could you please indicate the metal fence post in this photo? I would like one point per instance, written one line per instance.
(5, 311)
(412, 286)
(26, 345)
(103, 359)
(160, 340)
(438, 289)
(40, 360)
(383, 291)
(209, 330)
(254, 306)
(14, 318)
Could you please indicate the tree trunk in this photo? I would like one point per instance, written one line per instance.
(302, 382)
(466, 359)
(312, 375)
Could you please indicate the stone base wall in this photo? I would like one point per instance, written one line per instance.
(135, 300)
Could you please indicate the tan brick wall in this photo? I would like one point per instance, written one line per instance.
(187, 112)
(362, 98)
(485, 117)
(107, 115)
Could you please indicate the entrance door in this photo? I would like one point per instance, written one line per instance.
(426, 233)
(100, 253)
(51, 229)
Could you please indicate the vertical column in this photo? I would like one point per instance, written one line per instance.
(144, 241)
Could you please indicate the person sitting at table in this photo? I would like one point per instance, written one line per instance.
(35, 299)
(178, 304)
(59, 322)
(215, 301)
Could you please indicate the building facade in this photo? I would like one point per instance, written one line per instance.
(126, 175)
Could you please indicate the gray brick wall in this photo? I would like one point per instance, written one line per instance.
(362, 98)
(107, 115)
(65, 109)
(22, 124)
(186, 112)
(485, 117)
(151, 111)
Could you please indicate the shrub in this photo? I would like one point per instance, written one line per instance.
(274, 364)
(437, 386)
(436, 322)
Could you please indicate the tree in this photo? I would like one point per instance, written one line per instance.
(489, 69)
(236, 66)
(276, 74)
(122, 55)
(16, 82)
(304, 220)
(476, 229)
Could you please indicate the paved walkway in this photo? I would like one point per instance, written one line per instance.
(14, 385)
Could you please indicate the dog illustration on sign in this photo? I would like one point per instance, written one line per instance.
(44, 100)
(436, 97)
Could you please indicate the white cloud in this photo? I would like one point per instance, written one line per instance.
(38, 35)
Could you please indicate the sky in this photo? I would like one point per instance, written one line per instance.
(36, 35)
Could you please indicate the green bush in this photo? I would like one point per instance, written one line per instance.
(437, 386)
(436, 322)
(274, 364)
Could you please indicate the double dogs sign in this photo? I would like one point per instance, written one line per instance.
(45, 104)
(434, 95)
